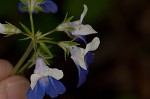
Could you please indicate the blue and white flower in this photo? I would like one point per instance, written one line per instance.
(79, 29)
(83, 58)
(38, 5)
(45, 81)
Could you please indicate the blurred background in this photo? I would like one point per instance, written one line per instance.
(121, 69)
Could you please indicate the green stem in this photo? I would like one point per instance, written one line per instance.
(28, 64)
(23, 68)
(48, 33)
(32, 24)
(25, 55)
(51, 42)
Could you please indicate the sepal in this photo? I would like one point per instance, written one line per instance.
(65, 46)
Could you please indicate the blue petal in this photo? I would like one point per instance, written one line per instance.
(82, 75)
(82, 38)
(37, 93)
(89, 57)
(55, 87)
(49, 6)
(21, 6)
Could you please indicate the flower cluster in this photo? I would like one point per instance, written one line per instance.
(81, 57)
(46, 80)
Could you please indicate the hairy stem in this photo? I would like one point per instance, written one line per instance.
(25, 55)
(32, 23)
(23, 68)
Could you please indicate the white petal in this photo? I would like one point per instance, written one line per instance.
(83, 30)
(34, 78)
(83, 13)
(93, 45)
(80, 61)
(55, 73)
(2, 28)
(40, 67)
(74, 50)
(77, 54)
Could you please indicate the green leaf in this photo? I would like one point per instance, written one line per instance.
(65, 17)
(47, 41)
(66, 54)
(44, 56)
(70, 28)
(26, 38)
(45, 48)
(65, 48)
(69, 19)
(69, 43)
(35, 46)
(24, 8)
(47, 38)
(32, 64)
(26, 29)
(68, 34)
(31, 61)
(39, 0)
(38, 34)
(38, 8)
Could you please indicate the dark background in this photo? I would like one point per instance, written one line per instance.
(121, 69)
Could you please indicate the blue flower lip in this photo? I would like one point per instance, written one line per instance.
(47, 6)
(46, 85)
(45, 81)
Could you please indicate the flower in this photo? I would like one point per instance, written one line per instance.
(45, 80)
(83, 58)
(79, 30)
(37, 5)
(9, 29)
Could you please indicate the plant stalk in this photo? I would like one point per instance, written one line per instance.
(20, 62)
